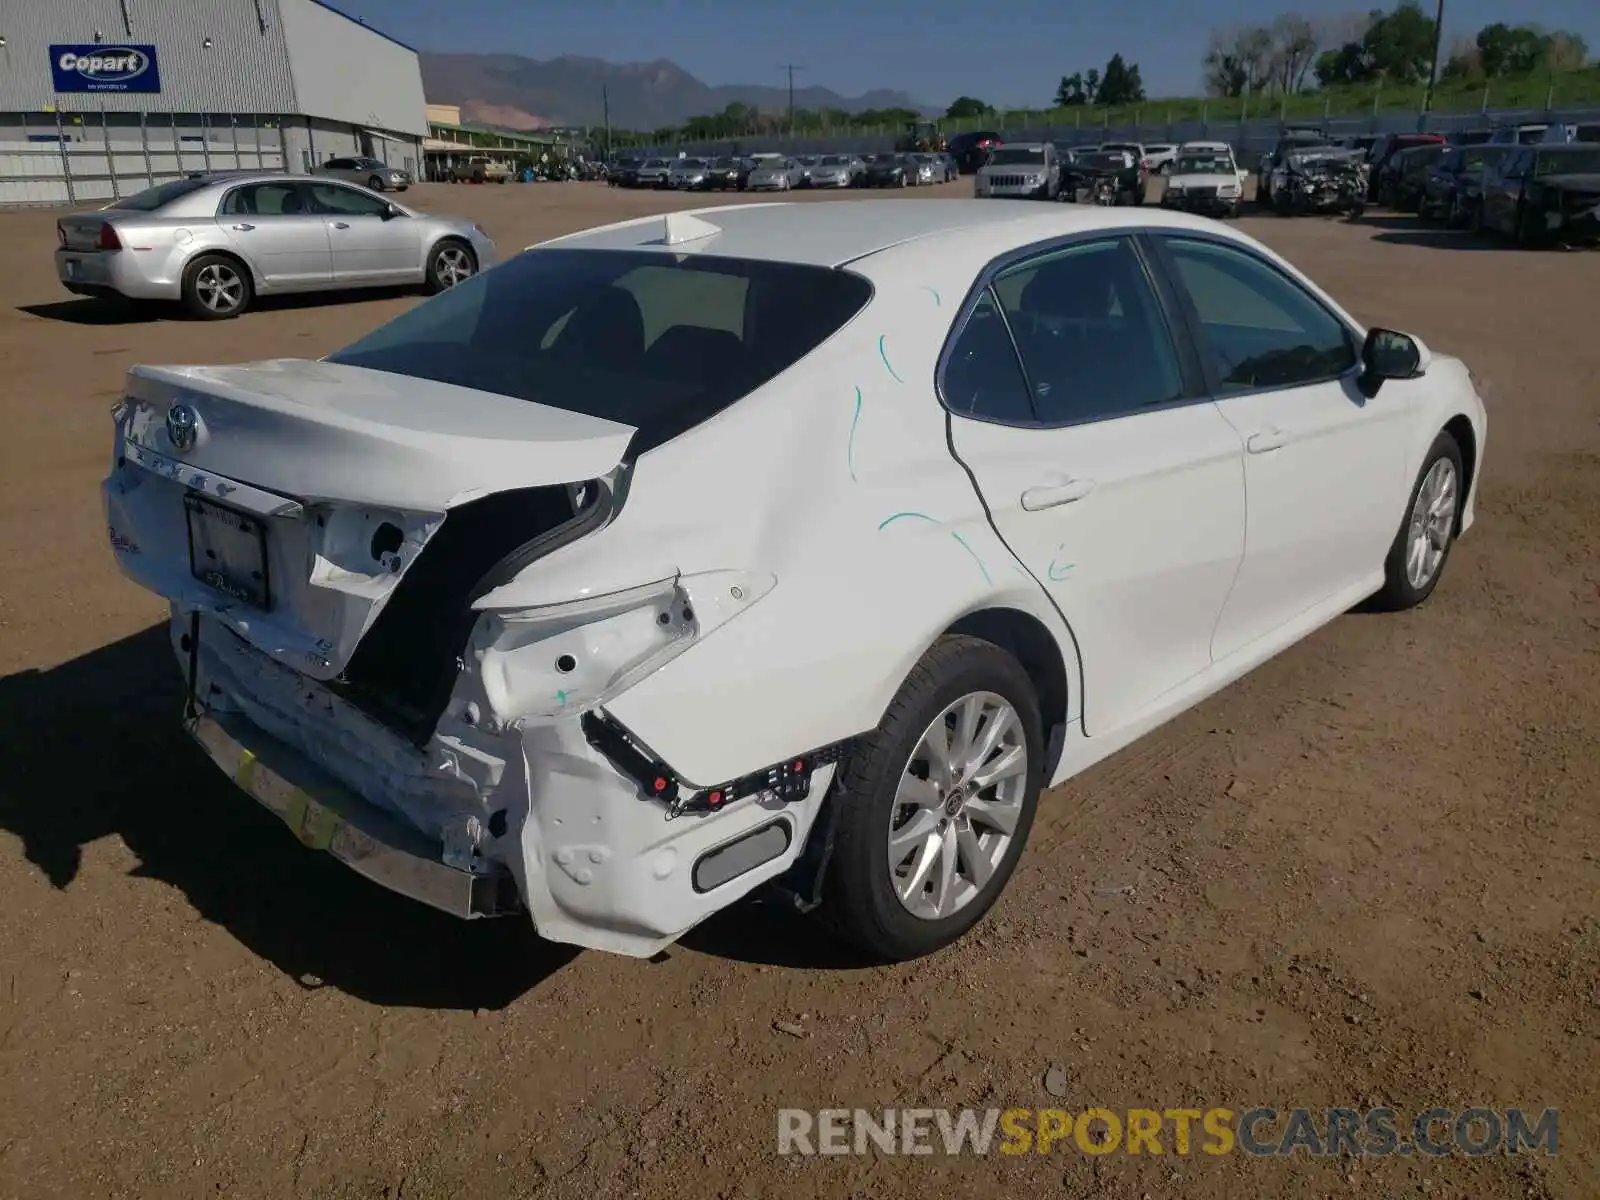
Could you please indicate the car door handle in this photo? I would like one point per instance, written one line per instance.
(1051, 494)
(340, 225)
(1264, 440)
(244, 228)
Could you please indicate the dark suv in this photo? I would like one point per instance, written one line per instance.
(971, 150)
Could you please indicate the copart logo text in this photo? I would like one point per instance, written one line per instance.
(115, 64)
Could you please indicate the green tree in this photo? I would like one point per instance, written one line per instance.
(1399, 44)
(1091, 85)
(1121, 85)
(966, 106)
(1070, 91)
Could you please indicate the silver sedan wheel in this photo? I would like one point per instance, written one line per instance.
(1433, 520)
(219, 287)
(453, 265)
(957, 805)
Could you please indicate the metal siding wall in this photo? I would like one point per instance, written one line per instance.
(245, 70)
(345, 72)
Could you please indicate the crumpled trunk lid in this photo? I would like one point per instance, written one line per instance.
(295, 499)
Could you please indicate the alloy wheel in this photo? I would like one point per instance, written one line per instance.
(219, 287)
(453, 265)
(957, 805)
(1433, 517)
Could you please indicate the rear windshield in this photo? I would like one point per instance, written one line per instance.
(1106, 158)
(159, 196)
(644, 339)
(1208, 162)
(1016, 155)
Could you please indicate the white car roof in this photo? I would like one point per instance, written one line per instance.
(830, 235)
(1204, 146)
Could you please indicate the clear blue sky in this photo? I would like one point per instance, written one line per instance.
(1007, 52)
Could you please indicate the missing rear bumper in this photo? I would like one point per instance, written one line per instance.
(325, 816)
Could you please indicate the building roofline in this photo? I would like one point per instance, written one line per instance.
(370, 29)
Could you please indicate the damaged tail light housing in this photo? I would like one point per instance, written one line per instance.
(554, 659)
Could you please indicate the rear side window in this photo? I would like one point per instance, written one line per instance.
(645, 339)
(1090, 331)
(264, 200)
(160, 196)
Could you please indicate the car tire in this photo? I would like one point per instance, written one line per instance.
(884, 787)
(451, 261)
(216, 287)
(1427, 531)
(1528, 235)
(375, 184)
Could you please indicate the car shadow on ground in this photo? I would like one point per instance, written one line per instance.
(766, 928)
(94, 311)
(93, 749)
(1438, 238)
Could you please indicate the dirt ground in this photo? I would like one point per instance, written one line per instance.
(1367, 874)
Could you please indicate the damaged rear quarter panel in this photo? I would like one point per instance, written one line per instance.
(837, 480)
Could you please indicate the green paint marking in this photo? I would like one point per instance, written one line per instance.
(561, 696)
(850, 448)
(884, 354)
(888, 521)
(975, 557)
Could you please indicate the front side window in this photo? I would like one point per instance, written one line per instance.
(640, 338)
(1091, 333)
(1259, 328)
(982, 376)
(1569, 162)
(330, 198)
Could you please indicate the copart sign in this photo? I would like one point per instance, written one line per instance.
(105, 68)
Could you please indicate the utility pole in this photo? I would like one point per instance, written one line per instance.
(605, 106)
(1433, 73)
(791, 68)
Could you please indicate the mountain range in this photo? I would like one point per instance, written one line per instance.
(514, 92)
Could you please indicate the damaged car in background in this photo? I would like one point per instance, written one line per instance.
(1321, 180)
(696, 553)
(1543, 195)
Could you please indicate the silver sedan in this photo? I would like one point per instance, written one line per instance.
(378, 176)
(216, 242)
(775, 174)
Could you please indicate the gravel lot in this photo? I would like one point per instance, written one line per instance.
(1368, 873)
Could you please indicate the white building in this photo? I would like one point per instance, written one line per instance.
(102, 98)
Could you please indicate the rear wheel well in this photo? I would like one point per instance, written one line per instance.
(1459, 428)
(1027, 640)
(230, 256)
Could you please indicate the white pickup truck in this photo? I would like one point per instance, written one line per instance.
(479, 169)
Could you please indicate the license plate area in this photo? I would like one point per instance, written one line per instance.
(228, 550)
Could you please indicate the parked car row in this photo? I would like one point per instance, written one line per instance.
(781, 173)
(1538, 193)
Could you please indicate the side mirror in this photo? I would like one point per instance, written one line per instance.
(1387, 354)
(391, 211)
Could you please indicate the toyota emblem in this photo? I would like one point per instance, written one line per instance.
(183, 426)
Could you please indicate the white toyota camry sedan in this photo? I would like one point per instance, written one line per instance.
(799, 545)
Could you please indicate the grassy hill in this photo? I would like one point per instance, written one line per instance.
(1561, 89)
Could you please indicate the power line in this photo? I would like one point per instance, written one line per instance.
(791, 68)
